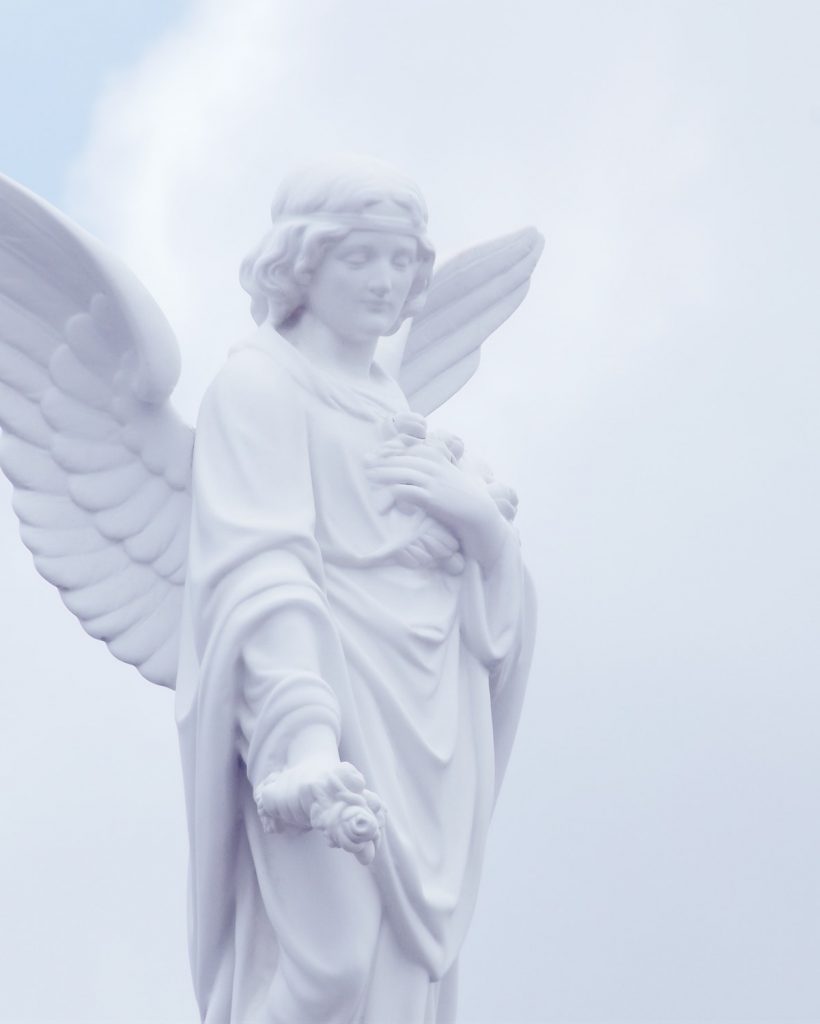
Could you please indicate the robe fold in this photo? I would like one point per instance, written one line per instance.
(299, 610)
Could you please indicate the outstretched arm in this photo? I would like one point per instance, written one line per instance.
(257, 590)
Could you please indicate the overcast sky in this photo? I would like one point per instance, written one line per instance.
(656, 851)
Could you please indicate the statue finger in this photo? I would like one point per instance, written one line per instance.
(366, 854)
(419, 554)
(452, 442)
(503, 491)
(417, 494)
(455, 564)
(374, 802)
(437, 547)
(395, 444)
(409, 558)
(442, 535)
(397, 475)
(406, 460)
(508, 510)
(350, 777)
(428, 453)
(411, 423)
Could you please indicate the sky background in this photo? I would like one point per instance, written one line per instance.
(656, 850)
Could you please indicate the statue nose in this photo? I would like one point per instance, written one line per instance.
(380, 286)
(380, 282)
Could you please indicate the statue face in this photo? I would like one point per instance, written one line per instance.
(360, 287)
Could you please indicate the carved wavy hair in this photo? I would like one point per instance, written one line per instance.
(277, 271)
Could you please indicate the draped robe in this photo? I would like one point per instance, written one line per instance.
(298, 611)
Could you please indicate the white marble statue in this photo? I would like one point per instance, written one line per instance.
(335, 591)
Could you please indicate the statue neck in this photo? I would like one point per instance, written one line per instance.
(341, 356)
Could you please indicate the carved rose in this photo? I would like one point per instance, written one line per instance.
(334, 801)
(351, 817)
(351, 827)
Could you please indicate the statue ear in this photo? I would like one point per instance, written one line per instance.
(302, 278)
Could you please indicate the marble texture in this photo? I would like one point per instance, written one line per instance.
(335, 591)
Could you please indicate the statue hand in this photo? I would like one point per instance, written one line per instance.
(505, 498)
(458, 499)
(333, 800)
(350, 816)
(436, 545)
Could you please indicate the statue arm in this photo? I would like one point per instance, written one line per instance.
(255, 564)
(257, 587)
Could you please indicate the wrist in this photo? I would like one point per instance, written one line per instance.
(315, 745)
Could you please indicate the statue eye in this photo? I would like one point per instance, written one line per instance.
(355, 257)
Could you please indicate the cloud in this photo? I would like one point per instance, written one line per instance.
(651, 403)
(512, 128)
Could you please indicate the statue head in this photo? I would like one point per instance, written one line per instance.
(315, 209)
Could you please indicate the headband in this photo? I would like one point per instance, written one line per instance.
(360, 222)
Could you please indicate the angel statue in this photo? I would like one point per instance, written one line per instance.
(335, 591)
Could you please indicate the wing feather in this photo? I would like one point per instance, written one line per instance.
(458, 328)
(108, 625)
(28, 466)
(149, 543)
(437, 390)
(22, 373)
(149, 633)
(130, 517)
(20, 329)
(76, 380)
(174, 557)
(83, 568)
(100, 462)
(89, 601)
(88, 343)
(108, 487)
(162, 664)
(68, 416)
(40, 297)
(457, 277)
(21, 417)
(81, 455)
(48, 511)
(54, 543)
(470, 297)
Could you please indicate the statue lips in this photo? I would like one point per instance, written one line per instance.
(378, 305)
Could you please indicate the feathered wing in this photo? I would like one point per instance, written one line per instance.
(99, 460)
(470, 296)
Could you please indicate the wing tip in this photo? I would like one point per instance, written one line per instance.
(535, 238)
(532, 243)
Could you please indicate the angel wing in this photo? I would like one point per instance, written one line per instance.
(470, 296)
(99, 461)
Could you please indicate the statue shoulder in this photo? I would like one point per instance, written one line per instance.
(253, 390)
(250, 378)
